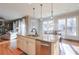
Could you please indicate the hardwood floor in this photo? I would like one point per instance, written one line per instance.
(6, 50)
(67, 47)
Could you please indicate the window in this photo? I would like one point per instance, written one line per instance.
(71, 26)
(48, 26)
(61, 26)
(68, 28)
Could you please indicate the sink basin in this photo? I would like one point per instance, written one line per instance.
(33, 35)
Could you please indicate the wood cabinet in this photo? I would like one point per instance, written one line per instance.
(31, 46)
(26, 44)
(22, 43)
(47, 48)
(55, 48)
(43, 48)
(19, 42)
(37, 47)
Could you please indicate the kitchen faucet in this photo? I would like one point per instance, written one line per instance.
(34, 30)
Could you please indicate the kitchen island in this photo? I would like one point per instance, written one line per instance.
(45, 45)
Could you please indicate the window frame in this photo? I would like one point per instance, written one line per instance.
(66, 30)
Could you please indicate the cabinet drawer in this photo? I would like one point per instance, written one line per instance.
(43, 48)
(45, 44)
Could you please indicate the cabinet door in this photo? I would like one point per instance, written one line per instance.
(38, 46)
(25, 45)
(43, 48)
(31, 47)
(56, 48)
(52, 48)
(19, 42)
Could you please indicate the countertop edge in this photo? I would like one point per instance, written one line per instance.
(38, 39)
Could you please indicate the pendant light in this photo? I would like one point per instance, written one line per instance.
(34, 13)
(51, 11)
(41, 11)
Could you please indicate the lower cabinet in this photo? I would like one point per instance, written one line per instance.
(47, 48)
(55, 48)
(37, 47)
(43, 48)
(31, 47)
(19, 42)
(26, 45)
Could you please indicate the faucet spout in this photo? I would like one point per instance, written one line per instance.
(34, 30)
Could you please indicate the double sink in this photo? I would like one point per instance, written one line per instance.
(33, 35)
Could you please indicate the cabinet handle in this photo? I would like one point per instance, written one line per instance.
(45, 45)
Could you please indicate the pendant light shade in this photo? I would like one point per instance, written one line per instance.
(52, 11)
(41, 11)
(33, 12)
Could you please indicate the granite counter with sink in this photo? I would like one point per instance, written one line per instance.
(47, 38)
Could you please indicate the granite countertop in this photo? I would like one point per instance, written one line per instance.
(71, 37)
(46, 38)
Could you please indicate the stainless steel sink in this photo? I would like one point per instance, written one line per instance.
(33, 35)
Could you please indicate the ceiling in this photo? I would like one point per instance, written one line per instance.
(61, 8)
(16, 10)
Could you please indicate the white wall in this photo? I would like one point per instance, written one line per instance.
(77, 22)
(23, 27)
